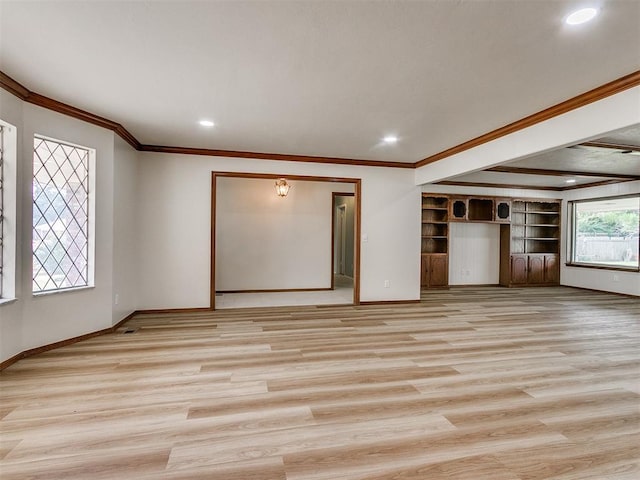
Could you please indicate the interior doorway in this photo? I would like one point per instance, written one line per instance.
(271, 253)
(343, 240)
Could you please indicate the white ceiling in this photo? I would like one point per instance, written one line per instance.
(326, 78)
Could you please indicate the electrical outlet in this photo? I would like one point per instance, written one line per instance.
(386, 284)
(616, 278)
(116, 300)
(365, 237)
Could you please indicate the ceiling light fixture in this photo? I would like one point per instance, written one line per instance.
(390, 139)
(581, 16)
(206, 123)
(571, 180)
(282, 187)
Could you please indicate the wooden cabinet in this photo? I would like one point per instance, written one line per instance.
(551, 269)
(458, 209)
(434, 271)
(503, 211)
(535, 273)
(519, 264)
(533, 269)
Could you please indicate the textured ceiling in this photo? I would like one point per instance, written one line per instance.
(320, 78)
(578, 158)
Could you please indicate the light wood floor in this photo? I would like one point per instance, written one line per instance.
(471, 384)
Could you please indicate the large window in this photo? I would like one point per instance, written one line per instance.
(604, 232)
(61, 216)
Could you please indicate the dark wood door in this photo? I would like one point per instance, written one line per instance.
(551, 270)
(519, 269)
(438, 271)
(536, 269)
(424, 271)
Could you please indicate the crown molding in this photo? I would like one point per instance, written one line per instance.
(611, 88)
(23, 93)
(273, 156)
(599, 93)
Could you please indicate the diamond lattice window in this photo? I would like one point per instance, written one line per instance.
(60, 216)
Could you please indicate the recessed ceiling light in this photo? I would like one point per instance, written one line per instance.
(581, 16)
(206, 123)
(390, 139)
(571, 180)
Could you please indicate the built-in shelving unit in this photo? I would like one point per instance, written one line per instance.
(530, 246)
(435, 242)
(535, 227)
(529, 237)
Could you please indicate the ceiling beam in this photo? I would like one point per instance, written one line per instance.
(558, 173)
(594, 184)
(612, 146)
(531, 187)
(495, 185)
(604, 91)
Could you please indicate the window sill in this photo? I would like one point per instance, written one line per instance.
(604, 267)
(7, 301)
(64, 290)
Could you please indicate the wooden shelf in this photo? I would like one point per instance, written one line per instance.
(553, 225)
(537, 238)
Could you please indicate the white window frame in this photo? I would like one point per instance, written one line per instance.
(9, 211)
(571, 236)
(90, 214)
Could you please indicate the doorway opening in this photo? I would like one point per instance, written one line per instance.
(343, 240)
(270, 251)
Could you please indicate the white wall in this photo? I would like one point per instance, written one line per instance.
(49, 318)
(125, 240)
(174, 226)
(33, 321)
(474, 253)
(268, 242)
(597, 279)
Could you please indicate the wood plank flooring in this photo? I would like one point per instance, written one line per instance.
(470, 384)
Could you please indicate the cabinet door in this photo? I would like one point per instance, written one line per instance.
(551, 271)
(424, 270)
(438, 271)
(536, 269)
(518, 269)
